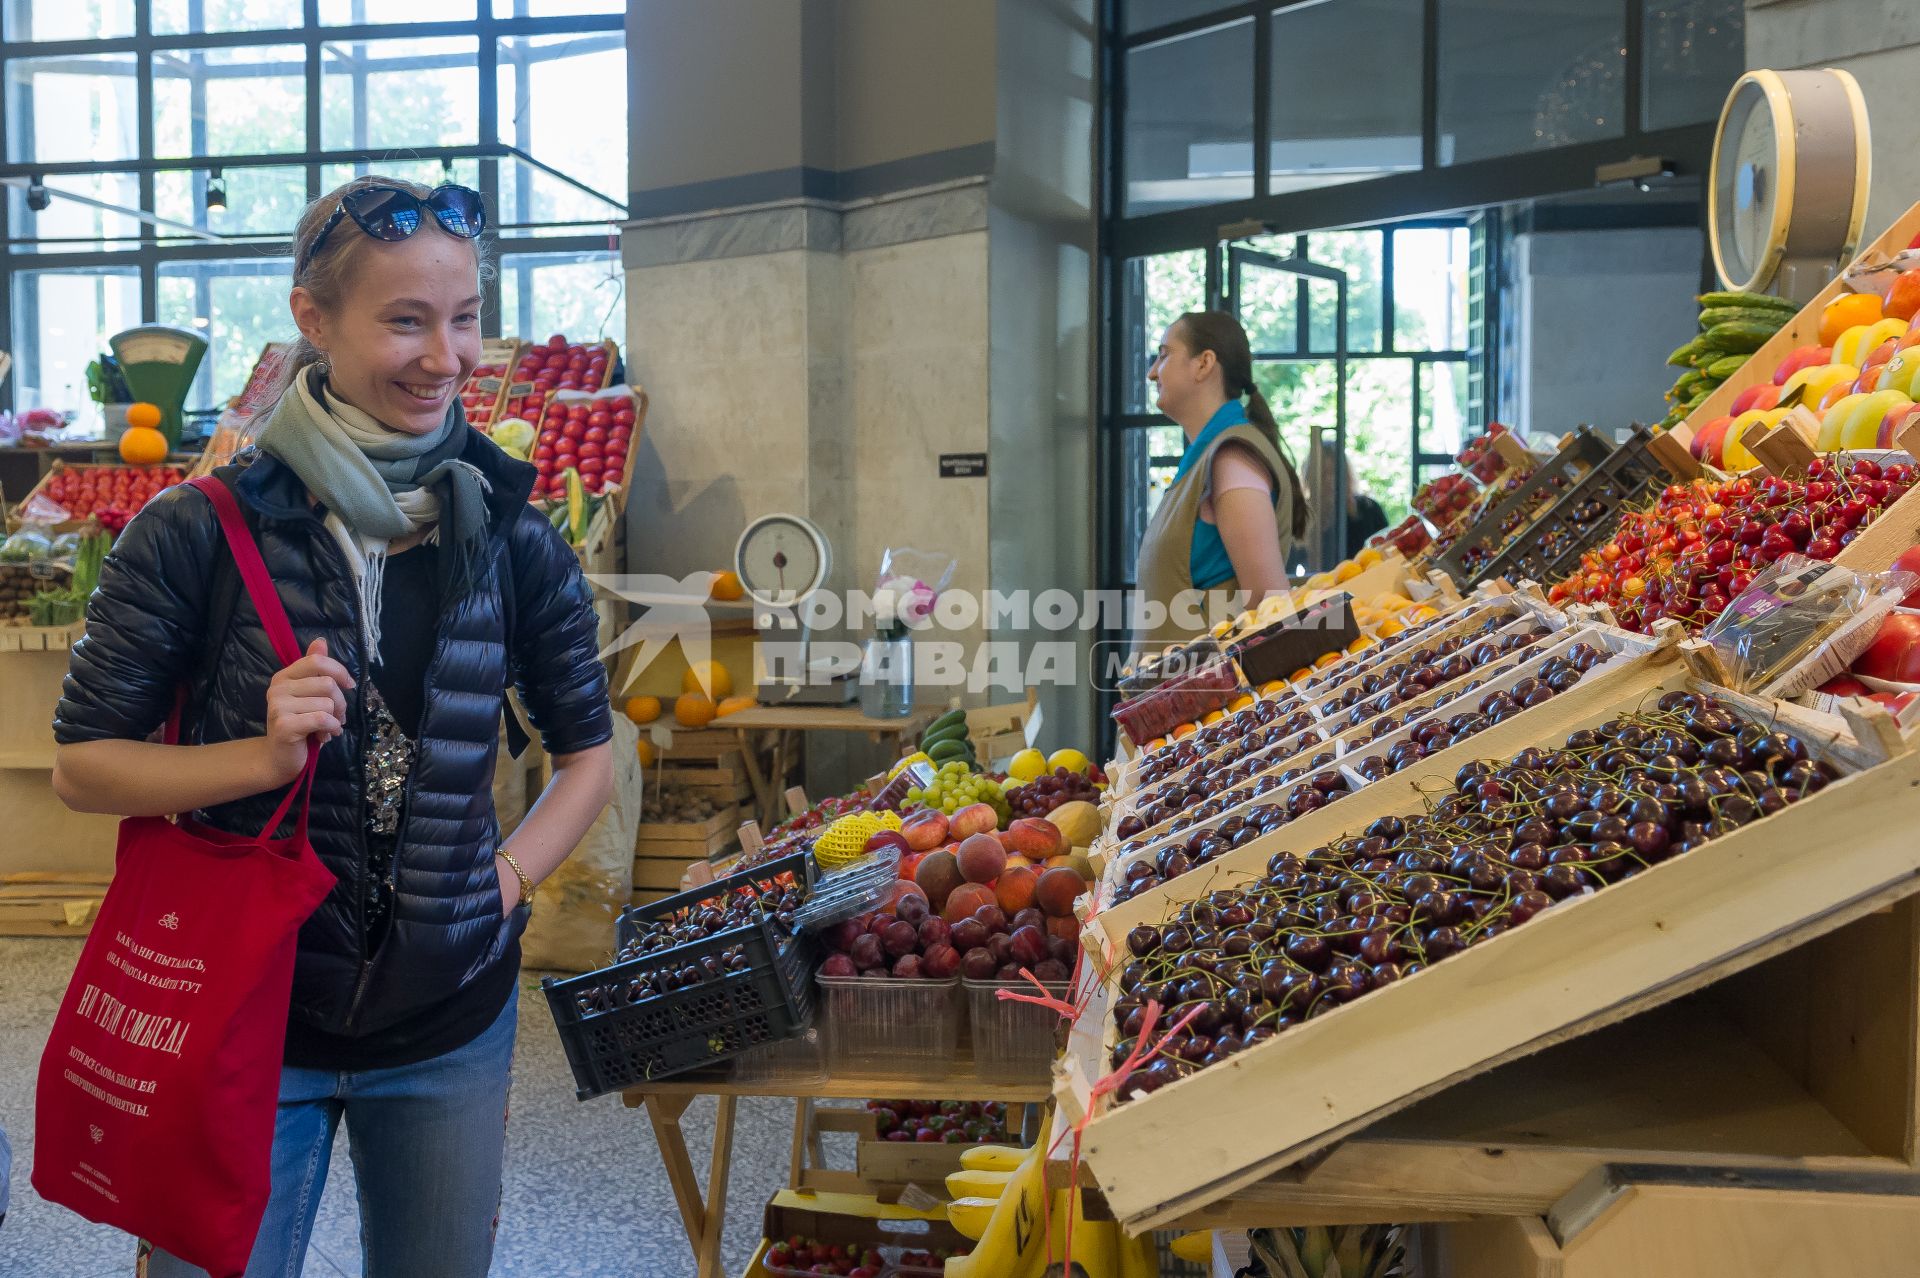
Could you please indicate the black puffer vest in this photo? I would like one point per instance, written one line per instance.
(147, 627)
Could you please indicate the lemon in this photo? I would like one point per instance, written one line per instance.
(1027, 765)
(1070, 759)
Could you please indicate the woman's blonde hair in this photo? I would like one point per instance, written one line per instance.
(327, 273)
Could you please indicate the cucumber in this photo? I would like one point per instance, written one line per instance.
(942, 751)
(1717, 315)
(944, 731)
(1683, 355)
(1689, 383)
(1769, 301)
(1741, 337)
(1726, 366)
(947, 720)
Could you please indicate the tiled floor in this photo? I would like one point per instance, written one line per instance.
(585, 1194)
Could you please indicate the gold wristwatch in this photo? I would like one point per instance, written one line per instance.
(526, 884)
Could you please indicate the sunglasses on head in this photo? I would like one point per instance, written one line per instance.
(391, 214)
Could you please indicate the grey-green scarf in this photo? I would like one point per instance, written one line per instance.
(379, 485)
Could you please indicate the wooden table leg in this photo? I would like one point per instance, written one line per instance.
(783, 767)
(802, 1138)
(764, 796)
(708, 1254)
(664, 1113)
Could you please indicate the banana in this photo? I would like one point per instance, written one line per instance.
(1195, 1248)
(992, 1157)
(967, 1183)
(973, 1216)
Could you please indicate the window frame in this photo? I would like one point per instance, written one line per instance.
(146, 253)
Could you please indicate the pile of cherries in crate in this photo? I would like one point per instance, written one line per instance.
(1701, 544)
(741, 908)
(1508, 841)
(940, 1122)
(1317, 783)
(1046, 792)
(1203, 793)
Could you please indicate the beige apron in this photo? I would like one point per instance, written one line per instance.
(1164, 571)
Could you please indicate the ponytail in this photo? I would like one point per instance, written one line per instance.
(1261, 416)
(1221, 333)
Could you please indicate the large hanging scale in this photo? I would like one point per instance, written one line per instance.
(1791, 171)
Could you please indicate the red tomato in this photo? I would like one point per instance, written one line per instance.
(564, 460)
(591, 449)
(599, 417)
(591, 466)
(575, 428)
(596, 434)
(623, 415)
(1894, 654)
(542, 451)
(579, 412)
(558, 342)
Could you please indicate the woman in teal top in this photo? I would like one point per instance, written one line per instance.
(1235, 505)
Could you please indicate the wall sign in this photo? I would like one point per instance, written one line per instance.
(962, 465)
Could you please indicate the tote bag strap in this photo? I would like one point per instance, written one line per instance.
(273, 616)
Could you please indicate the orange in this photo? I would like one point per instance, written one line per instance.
(643, 709)
(726, 586)
(1185, 730)
(709, 677)
(143, 446)
(733, 705)
(1240, 703)
(694, 710)
(644, 748)
(1845, 312)
(143, 416)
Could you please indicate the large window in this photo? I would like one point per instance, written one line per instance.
(170, 145)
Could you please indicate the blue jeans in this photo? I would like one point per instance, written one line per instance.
(427, 1142)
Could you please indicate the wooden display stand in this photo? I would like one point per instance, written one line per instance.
(44, 836)
(1728, 907)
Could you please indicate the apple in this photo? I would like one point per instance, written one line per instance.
(1894, 654)
(1896, 421)
(1908, 560)
(1706, 442)
(1765, 395)
(1799, 358)
(1844, 686)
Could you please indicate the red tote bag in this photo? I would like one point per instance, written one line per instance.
(157, 1090)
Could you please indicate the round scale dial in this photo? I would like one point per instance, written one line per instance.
(781, 559)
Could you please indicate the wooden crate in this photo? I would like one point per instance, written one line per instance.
(15, 522)
(33, 663)
(496, 352)
(1802, 330)
(1000, 732)
(663, 852)
(1584, 965)
(724, 780)
(50, 903)
(1633, 1220)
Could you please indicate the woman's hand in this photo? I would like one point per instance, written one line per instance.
(509, 884)
(305, 700)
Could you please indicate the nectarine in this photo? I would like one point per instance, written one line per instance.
(981, 858)
(1034, 837)
(966, 898)
(1057, 890)
(938, 874)
(1015, 889)
(924, 831)
(975, 818)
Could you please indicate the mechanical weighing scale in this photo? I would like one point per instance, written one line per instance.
(1791, 171)
(782, 561)
(159, 363)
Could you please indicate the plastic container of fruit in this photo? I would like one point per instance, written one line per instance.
(1199, 692)
(1158, 671)
(851, 892)
(791, 1062)
(890, 1027)
(1013, 1041)
(615, 1040)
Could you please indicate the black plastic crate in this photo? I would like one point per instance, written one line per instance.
(613, 1041)
(1470, 559)
(1586, 514)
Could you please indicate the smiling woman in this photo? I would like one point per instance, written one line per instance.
(393, 533)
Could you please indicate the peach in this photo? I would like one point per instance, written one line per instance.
(1057, 890)
(966, 898)
(1034, 837)
(981, 858)
(1015, 889)
(938, 874)
(924, 831)
(1064, 926)
(975, 818)
(1016, 861)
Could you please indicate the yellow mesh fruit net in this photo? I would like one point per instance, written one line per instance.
(845, 841)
